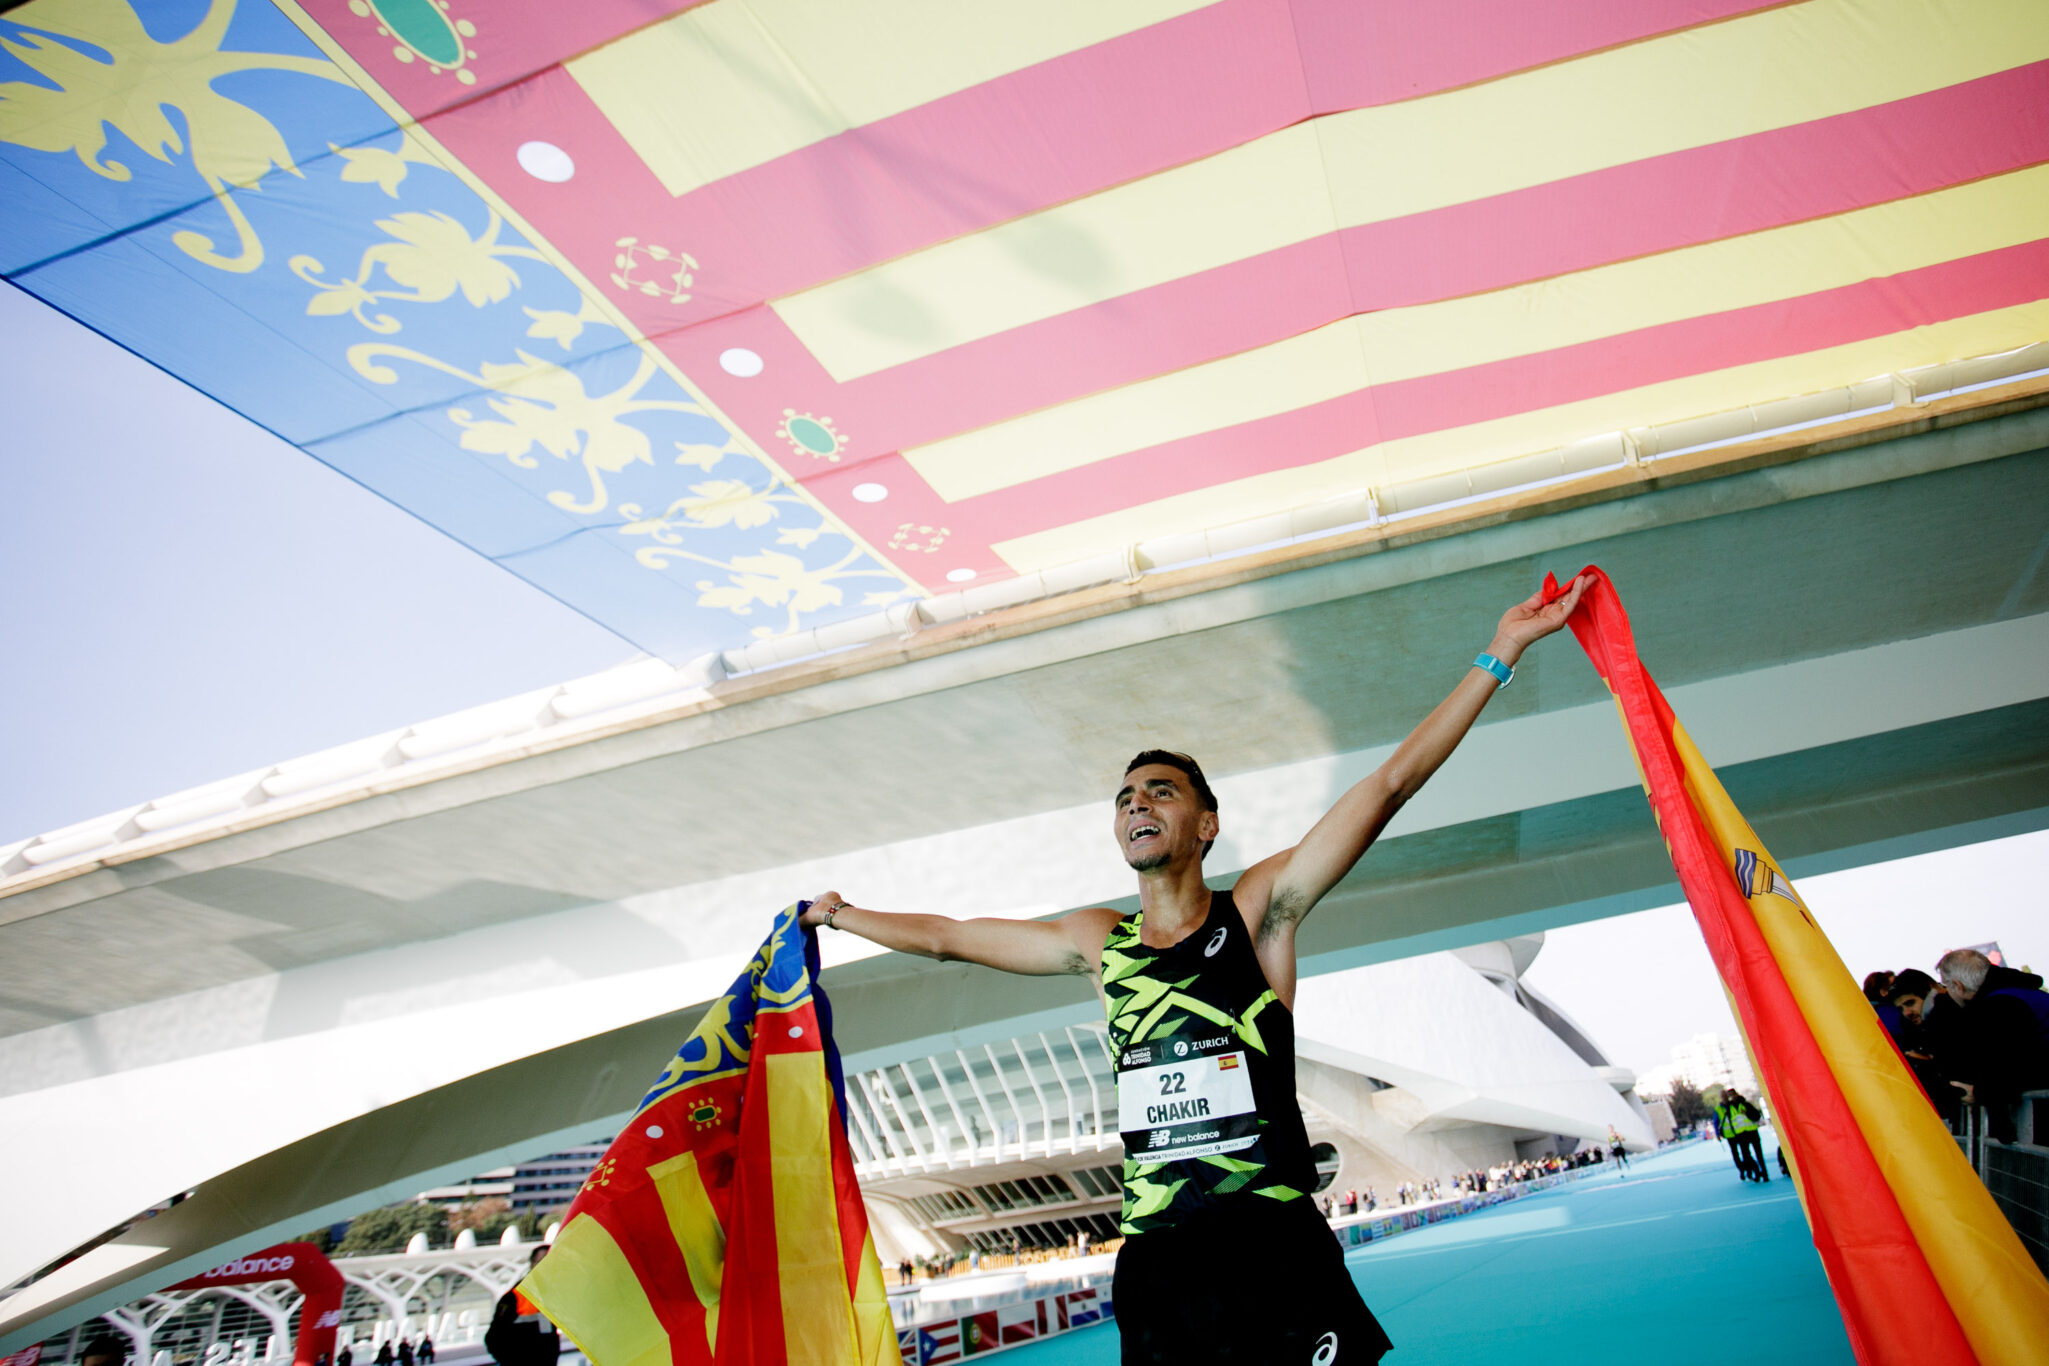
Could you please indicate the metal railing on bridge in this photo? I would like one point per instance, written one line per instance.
(2016, 1173)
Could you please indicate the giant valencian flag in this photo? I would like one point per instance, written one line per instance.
(737, 318)
(724, 1224)
(1923, 1264)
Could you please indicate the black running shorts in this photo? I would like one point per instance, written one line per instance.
(1255, 1281)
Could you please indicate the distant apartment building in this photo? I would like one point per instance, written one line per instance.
(545, 1183)
(493, 1184)
(1704, 1060)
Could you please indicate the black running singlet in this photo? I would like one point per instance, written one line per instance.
(1205, 1056)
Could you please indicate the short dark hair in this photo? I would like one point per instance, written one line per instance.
(1912, 982)
(1188, 766)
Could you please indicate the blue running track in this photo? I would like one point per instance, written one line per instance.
(1661, 1264)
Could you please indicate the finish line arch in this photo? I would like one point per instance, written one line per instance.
(306, 1267)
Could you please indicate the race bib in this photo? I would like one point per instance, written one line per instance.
(1183, 1098)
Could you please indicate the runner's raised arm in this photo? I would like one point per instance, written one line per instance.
(1277, 892)
(1035, 948)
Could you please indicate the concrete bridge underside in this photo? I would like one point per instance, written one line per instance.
(312, 1015)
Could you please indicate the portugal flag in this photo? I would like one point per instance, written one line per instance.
(1923, 1265)
(724, 1224)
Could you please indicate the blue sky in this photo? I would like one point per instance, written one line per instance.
(189, 597)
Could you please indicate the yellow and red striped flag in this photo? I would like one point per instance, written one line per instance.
(724, 1224)
(1923, 1265)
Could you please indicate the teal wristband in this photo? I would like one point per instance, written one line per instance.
(1504, 672)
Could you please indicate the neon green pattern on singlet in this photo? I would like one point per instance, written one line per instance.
(1140, 1008)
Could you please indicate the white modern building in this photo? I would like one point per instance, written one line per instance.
(1426, 1067)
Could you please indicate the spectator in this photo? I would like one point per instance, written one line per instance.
(104, 1350)
(405, 1351)
(385, 1356)
(1878, 989)
(346, 1356)
(1913, 993)
(426, 1351)
(2004, 1038)
(520, 1335)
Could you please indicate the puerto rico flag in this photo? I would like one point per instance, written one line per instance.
(724, 1224)
(939, 1342)
(1907, 1233)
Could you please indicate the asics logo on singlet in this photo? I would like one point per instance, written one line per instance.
(1326, 1350)
(1216, 941)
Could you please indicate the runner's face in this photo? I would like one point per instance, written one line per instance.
(1160, 818)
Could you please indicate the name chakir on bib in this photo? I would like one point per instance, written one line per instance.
(1188, 1096)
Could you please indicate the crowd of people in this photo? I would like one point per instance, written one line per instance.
(1018, 1253)
(1500, 1176)
(400, 1351)
(1976, 1034)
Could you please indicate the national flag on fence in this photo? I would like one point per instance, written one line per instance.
(980, 1333)
(724, 1224)
(939, 1342)
(1079, 1308)
(1922, 1263)
(1022, 1322)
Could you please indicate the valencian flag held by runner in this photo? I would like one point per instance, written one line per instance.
(1922, 1263)
(724, 1224)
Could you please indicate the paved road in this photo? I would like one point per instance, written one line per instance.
(1646, 1266)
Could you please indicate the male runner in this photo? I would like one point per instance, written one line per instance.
(1225, 1256)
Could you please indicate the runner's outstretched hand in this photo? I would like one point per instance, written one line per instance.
(1530, 620)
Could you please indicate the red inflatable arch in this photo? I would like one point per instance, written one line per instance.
(305, 1266)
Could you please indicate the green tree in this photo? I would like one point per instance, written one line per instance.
(391, 1228)
(1688, 1105)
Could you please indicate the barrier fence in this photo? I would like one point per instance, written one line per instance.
(1010, 1325)
(2016, 1173)
(1031, 1320)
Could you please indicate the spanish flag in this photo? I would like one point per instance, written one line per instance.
(724, 1224)
(1922, 1263)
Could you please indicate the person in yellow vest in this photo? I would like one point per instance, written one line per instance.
(1740, 1127)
